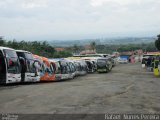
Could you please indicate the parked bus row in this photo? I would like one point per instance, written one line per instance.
(18, 66)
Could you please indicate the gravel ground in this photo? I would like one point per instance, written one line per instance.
(126, 89)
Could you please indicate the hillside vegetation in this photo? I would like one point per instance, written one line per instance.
(39, 48)
(146, 47)
(46, 49)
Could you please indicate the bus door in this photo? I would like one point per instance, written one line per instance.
(90, 66)
(52, 71)
(76, 68)
(80, 68)
(31, 69)
(40, 67)
(58, 71)
(2, 68)
(109, 63)
(64, 70)
(37, 64)
(49, 70)
(45, 69)
(23, 68)
(71, 70)
(84, 67)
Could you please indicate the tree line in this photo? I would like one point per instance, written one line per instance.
(110, 48)
(45, 49)
(146, 47)
(40, 48)
(157, 42)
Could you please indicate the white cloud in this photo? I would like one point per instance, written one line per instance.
(34, 3)
(96, 3)
(63, 19)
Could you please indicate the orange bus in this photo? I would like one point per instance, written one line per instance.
(46, 69)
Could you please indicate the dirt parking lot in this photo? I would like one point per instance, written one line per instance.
(126, 89)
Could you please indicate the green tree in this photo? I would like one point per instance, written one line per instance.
(2, 41)
(75, 49)
(62, 54)
(93, 45)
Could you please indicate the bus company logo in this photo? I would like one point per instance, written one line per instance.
(9, 117)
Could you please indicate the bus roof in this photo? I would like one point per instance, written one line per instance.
(2, 48)
(23, 51)
(103, 58)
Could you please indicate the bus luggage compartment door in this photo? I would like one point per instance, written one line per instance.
(13, 78)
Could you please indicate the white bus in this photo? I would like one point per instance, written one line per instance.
(10, 70)
(28, 65)
(63, 69)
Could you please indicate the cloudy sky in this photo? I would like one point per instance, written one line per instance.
(78, 19)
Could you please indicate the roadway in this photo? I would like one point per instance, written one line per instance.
(126, 89)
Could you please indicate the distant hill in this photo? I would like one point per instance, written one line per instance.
(73, 42)
(122, 40)
(128, 40)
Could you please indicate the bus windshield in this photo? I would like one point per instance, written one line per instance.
(25, 55)
(101, 62)
(13, 65)
(28, 56)
(58, 68)
(52, 68)
(10, 53)
(64, 67)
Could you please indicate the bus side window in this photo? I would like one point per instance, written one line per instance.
(23, 66)
(52, 67)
